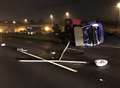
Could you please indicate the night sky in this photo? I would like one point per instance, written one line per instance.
(40, 9)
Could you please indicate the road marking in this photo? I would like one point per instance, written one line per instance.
(75, 50)
(110, 46)
(55, 61)
(64, 50)
(21, 49)
(59, 65)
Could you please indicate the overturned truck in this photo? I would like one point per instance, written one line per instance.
(91, 34)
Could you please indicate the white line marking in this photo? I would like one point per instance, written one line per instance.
(64, 50)
(85, 26)
(110, 46)
(21, 49)
(56, 61)
(59, 65)
(75, 50)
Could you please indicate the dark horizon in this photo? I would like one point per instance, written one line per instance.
(39, 9)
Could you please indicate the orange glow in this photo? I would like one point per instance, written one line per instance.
(20, 29)
(25, 20)
(118, 5)
(1, 30)
(47, 29)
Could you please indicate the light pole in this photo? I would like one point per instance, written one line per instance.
(14, 24)
(26, 20)
(67, 15)
(52, 19)
(118, 6)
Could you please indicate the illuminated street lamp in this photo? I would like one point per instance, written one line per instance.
(118, 6)
(51, 19)
(67, 15)
(26, 20)
(14, 22)
(1, 30)
(51, 16)
(47, 29)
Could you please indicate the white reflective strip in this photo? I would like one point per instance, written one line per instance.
(86, 26)
(75, 49)
(21, 49)
(64, 50)
(110, 46)
(59, 65)
(101, 62)
(56, 61)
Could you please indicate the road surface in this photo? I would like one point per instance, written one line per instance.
(14, 74)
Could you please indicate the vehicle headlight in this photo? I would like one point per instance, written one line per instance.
(95, 25)
(3, 44)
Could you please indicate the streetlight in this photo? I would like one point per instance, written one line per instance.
(14, 22)
(52, 19)
(118, 6)
(67, 15)
(48, 29)
(26, 20)
(51, 16)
